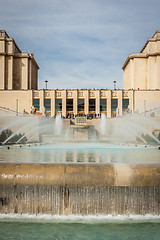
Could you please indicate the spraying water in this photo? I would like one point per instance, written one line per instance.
(58, 127)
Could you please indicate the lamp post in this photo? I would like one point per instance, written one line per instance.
(46, 83)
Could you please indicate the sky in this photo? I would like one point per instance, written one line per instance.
(80, 44)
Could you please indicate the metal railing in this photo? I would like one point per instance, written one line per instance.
(81, 119)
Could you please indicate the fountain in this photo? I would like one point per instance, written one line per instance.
(58, 128)
(81, 178)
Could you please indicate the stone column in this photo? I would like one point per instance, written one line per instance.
(64, 94)
(98, 96)
(24, 77)
(86, 102)
(2, 72)
(75, 102)
(158, 73)
(53, 96)
(29, 74)
(41, 96)
(120, 97)
(10, 73)
(109, 96)
(30, 101)
(2, 64)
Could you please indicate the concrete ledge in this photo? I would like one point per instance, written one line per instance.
(137, 174)
(80, 174)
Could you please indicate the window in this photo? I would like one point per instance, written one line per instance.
(69, 105)
(36, 104)
(125, 104)
(80, 105)
(92, 105)
(58, 105)
(103, 105)
(114, 104)
(47, 105)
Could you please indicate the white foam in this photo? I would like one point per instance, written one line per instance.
(90, 219)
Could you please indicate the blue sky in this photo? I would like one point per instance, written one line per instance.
(80, 43)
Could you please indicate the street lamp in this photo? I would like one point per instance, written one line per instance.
(114, 85)
(46, 83)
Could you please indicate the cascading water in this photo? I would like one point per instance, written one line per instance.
(86, 200)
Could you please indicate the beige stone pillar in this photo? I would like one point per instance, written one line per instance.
(64, 94)
(120, 97)
(29, 74)
(98, 96)
(86, 102)
(53, 95)
(2, 46)
(41, 96)
(30, 101)
(75, 102)
(10, 73)
(109, 95)
(158, 73)
(2, 72)
(9, 44)
(24, 83)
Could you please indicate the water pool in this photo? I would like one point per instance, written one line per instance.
(80, 229)
(80, 152)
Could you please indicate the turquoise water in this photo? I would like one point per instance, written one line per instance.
(80, 152)
(77, 231)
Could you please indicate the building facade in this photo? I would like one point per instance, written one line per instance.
(141, 71)
(18, 71)
(18, 86)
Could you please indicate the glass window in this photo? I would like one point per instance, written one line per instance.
(69, 105)
(47, 105)
(58, 105)
(103, 105)
(36, 104)
(92, 105)
(80, 105)
(114, 104)
(125, 104)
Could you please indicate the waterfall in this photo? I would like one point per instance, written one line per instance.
(86, 200)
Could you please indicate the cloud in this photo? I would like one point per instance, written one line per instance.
(80, 44)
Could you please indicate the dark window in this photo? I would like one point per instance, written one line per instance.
(58, 105)
(69, 105)
(80, 105)
(103, 105)
(47, 105)
(125, 104)
(114, 104)
(36, 104)
(92, 105)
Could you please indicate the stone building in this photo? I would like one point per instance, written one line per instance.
(19, 70)
(141, 93)
(141, 71)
